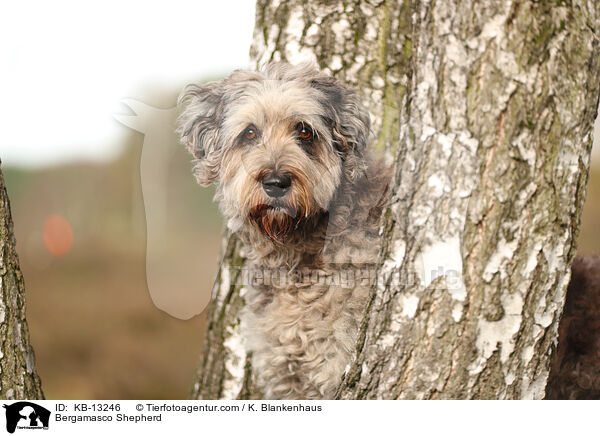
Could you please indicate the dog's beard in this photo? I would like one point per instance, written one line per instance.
(277, 221)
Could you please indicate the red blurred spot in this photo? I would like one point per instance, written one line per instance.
(58, 235)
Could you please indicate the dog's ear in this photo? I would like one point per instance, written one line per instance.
(198, 126)
(350, 123)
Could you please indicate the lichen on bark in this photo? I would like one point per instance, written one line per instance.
(512, 88)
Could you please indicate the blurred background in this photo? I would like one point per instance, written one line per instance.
(72, 171)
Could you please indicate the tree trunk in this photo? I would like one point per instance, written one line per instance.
(18, 375)
(488, 112)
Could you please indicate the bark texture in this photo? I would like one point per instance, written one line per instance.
(18, 375)
(488, 111)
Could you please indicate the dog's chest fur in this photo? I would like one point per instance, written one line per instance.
(305, 305)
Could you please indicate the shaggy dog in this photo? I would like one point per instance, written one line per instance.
(287, 149)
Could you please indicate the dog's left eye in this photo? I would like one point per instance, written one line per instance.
(305, 133)
(250, 133)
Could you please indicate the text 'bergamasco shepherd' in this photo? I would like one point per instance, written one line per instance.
(287, 150)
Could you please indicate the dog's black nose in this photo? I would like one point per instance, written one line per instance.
(276, 185)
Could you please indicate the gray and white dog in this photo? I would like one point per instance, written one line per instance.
(287, 150)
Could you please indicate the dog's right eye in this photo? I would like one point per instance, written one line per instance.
(305, 132)
(250, 133)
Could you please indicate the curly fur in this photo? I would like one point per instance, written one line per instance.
(301, 331)
(575, 372)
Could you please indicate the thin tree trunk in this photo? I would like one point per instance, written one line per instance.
(18, 375)
(488, 110)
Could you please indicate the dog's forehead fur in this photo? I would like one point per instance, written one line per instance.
(266, 101)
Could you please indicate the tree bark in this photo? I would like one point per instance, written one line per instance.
(18, 375)
(488, 111)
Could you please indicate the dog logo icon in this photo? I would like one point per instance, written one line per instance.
(26, 415)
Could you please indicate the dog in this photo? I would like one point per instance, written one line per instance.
(287, 150)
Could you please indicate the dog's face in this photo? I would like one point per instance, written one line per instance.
(278, 143)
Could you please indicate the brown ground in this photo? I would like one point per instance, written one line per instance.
(589, 238)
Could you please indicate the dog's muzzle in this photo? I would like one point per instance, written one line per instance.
(276, 185)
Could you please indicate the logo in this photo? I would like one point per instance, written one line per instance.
(26, 415)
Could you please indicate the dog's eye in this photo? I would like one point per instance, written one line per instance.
(305, 133)
(250, 133)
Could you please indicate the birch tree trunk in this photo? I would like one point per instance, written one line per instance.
(18, 375)
(488, 110)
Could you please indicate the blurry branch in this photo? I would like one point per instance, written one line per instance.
(18, 375)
